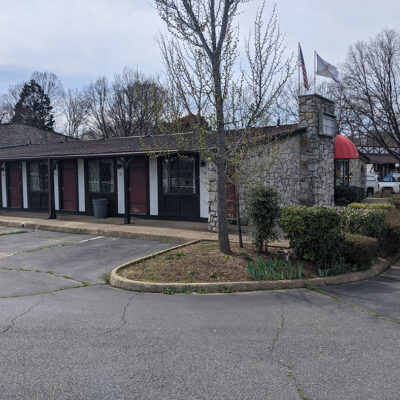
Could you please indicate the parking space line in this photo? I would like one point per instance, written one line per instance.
(91, 239)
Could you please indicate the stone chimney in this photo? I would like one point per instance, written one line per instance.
(317, 186)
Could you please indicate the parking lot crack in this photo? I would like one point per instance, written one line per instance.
(355, 306)
(123, 320)
(289, 368)
(13, 320)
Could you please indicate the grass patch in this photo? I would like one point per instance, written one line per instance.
(169, 290)
(274, 269)
(225, 289)
(13, 233)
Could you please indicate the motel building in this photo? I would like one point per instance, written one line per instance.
(65, 176)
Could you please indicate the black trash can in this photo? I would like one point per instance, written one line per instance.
(100, 207)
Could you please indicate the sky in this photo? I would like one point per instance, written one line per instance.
(80, 40)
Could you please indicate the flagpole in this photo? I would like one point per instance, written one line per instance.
(315, 72)
(298, 69)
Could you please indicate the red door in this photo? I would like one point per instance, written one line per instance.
(138, 186)
(231, 200)
(69, 198)
(15, 184)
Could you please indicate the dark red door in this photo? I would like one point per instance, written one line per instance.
(138, 186)
(15, 184)
(69, 197)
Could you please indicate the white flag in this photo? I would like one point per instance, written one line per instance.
(326, 69)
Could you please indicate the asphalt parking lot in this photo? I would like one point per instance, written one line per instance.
(66, 335)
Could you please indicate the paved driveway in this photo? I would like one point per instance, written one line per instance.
(95, 342)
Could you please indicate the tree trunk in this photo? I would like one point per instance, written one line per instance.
(239, 224)
(223, 237)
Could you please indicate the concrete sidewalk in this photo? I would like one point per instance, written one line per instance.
(168, 231)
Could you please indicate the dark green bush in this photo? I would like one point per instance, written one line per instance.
(359, 251)
(371, 206)
(395, 200)
(262, 211)
(367, 222)
(392, 242)
(349, 194)
(273, 269)
(314, 234)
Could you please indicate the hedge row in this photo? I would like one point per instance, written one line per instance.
(314, 233)
(341, 239)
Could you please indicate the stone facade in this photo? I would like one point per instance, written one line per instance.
(316, 153)
(299, 166)
(357, 170)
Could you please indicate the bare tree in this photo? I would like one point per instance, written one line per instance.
(136, 104)
(372, 89)
(131, 104)
(74, 111)
(200, 59)
(51, 86)
(98, 102)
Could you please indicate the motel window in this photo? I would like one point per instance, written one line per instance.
(342, 172)
(101, 176)
(39, 176)
(178, 175)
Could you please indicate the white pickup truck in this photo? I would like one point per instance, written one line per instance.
(390, 187)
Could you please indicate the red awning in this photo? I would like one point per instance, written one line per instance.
(345, 148)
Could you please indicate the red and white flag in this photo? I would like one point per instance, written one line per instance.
(303, 68)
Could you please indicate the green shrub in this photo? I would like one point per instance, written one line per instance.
(314, 234)
(395, 200)
(367, 222)
(359, 251)
(350, 194)
(371, 206)
(392, 242)
(262, 210)
(273, 269)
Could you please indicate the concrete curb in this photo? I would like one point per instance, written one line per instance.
(94, 231)
(181, 236)
(118, 281)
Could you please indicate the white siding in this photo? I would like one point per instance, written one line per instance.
(153, 186)
(3, 185)
(24, 185)
(204, 191)
(121, 191)
(56, 190)
(81, 185)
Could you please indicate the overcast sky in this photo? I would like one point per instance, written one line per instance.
(80, 40)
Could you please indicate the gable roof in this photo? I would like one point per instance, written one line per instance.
(131, 145)
(17, 134)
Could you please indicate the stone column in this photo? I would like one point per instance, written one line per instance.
(316, 153)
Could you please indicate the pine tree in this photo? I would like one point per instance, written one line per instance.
(33, 107)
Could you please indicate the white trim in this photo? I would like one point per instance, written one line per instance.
(204, 190)
(24, 185)
(81, 185)
(56, 190)
(3, 185)
(121, 190)
(153, 186)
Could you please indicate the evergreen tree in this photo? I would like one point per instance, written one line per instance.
(33, 107)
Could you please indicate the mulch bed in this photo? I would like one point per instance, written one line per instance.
(203, 262)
